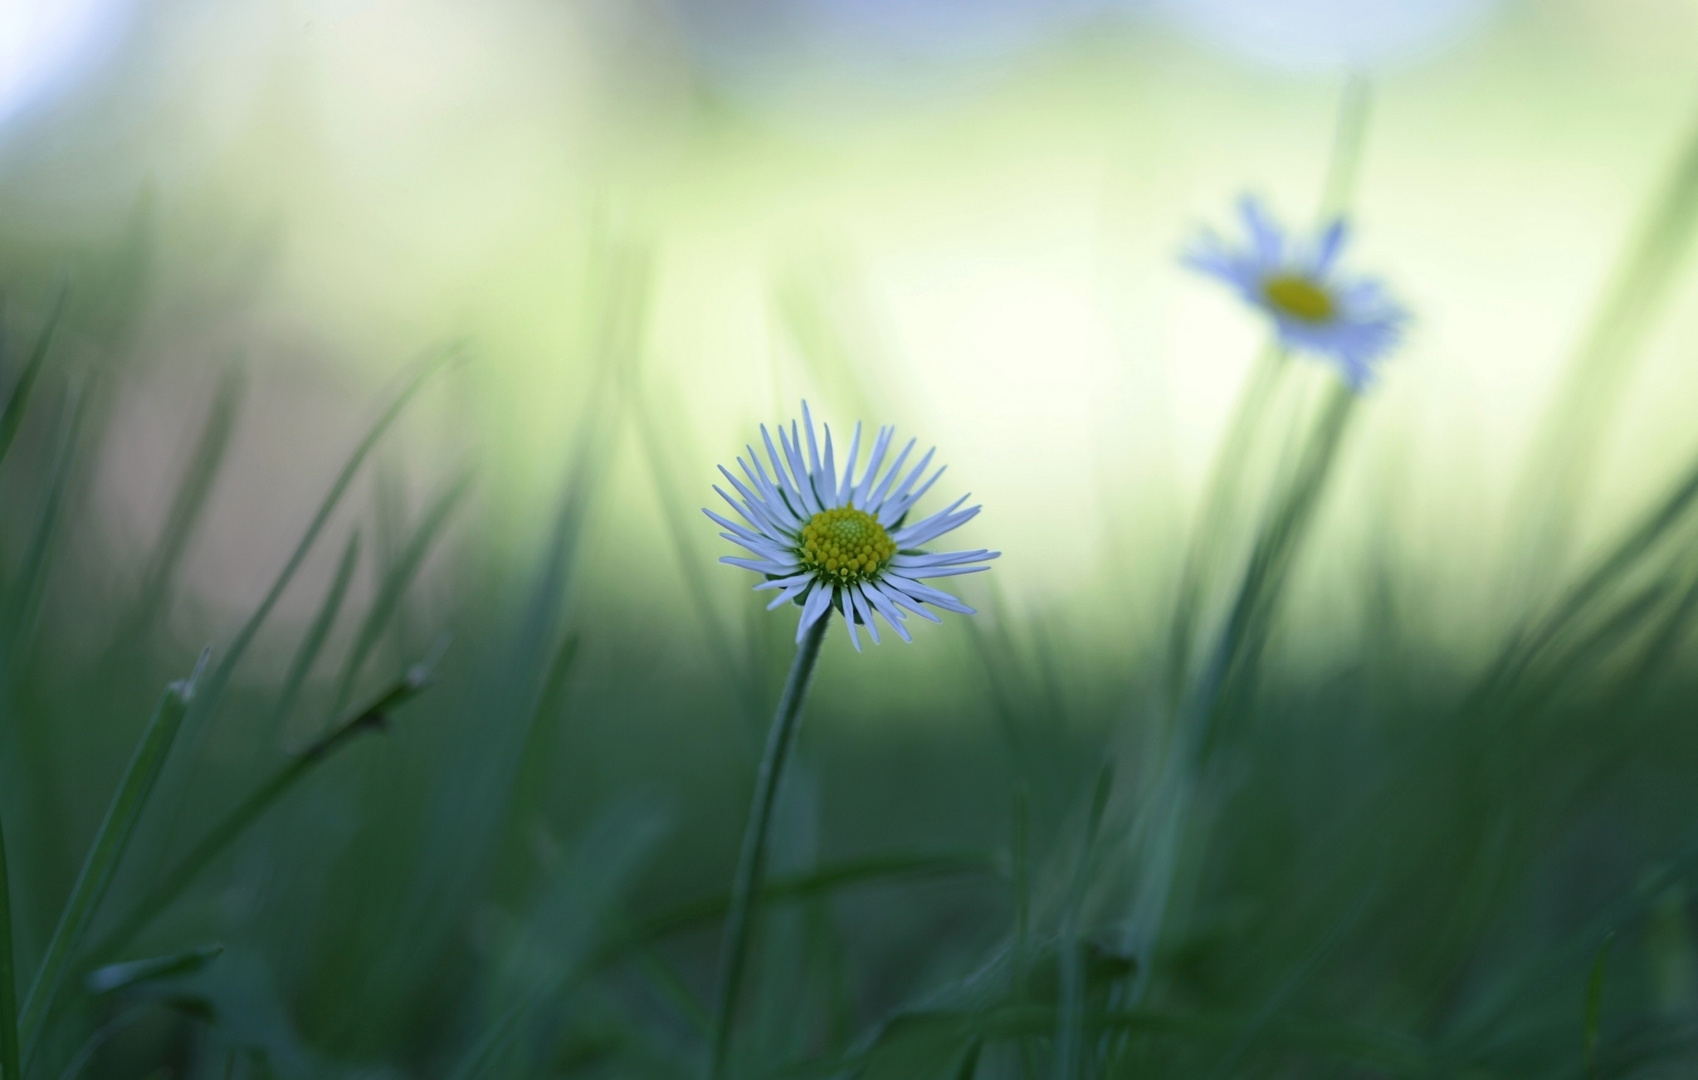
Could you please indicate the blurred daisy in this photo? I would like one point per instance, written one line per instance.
(1351, 321)
(840, 542)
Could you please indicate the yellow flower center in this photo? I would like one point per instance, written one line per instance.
(1298, 297)
(844, 545)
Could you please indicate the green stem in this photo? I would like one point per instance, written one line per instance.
(1350, 134)
(751, 863)
(8, 980)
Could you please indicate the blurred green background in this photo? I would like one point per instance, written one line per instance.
(604, 242)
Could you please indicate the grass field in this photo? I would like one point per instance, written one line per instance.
(372, 703)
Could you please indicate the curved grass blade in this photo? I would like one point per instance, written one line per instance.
(1566, 448)
(192, 494)
(636, 937)
(105, 853)
(170, 885)
(32, 574)
(680, 530)
(113, 977)
(1595, 1005)
(206, 701)
(312, 642)
(1527, 645)
(1553, 962)
(819, 882)
(410, 386)
(17, 402)
(1381, 1050)
(395, 584)
(9, 1050)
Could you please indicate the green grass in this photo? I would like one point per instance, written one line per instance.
(1043, 852)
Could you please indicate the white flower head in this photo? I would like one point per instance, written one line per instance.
(1315, 307)
(841, 541)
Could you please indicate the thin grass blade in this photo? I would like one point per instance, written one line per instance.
(17, 401)
(390, 593)
(106, 852)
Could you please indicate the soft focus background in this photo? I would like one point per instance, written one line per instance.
(607, 240)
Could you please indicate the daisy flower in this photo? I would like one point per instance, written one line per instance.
(832, 541)
(1315, 307)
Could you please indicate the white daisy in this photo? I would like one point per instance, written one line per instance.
(1315, 307)
(837, 541)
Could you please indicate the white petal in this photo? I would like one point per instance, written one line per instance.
(893, 590)
(773, 498)
(899, 507)
(948, 571)
(944, 520)
(942, 558)
(847, 487)
(828, 475)
(874, 460)
(876, 499)
(765, 566)
(887, 608)
(752, 508)
(786, 596)
(727, 523)
(813, 446)
(928, 594)
(793, 451)
(784, 583)
(819, 602)
(861, 609)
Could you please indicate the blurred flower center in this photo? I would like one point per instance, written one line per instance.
(1298, 297)
(845, 544)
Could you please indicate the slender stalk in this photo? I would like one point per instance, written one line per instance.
(1350, 135)
(9, 1055)
(751, 863)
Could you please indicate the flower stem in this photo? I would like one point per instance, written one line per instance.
(751, 863)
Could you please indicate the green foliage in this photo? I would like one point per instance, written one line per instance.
(1046, 855)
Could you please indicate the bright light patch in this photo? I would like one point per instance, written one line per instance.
(43, 43)
(1325, 34)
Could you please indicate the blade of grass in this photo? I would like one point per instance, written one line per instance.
(535, 766)
(312, 642)
(105, 853)
(1526, 645)
(1372, 1047)
(9, 1047)
(406, 566)
(818, 882)
(178, 782)
(121, 976)
(31, 581)
(1595, 1005)
(17, 402)
(1550, 963)
(192, 492)
(1229, 670)
(638, 935)
(681, 531)
(1070, 1017)
(411, 384)
(1565, 450)
(170, 885)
